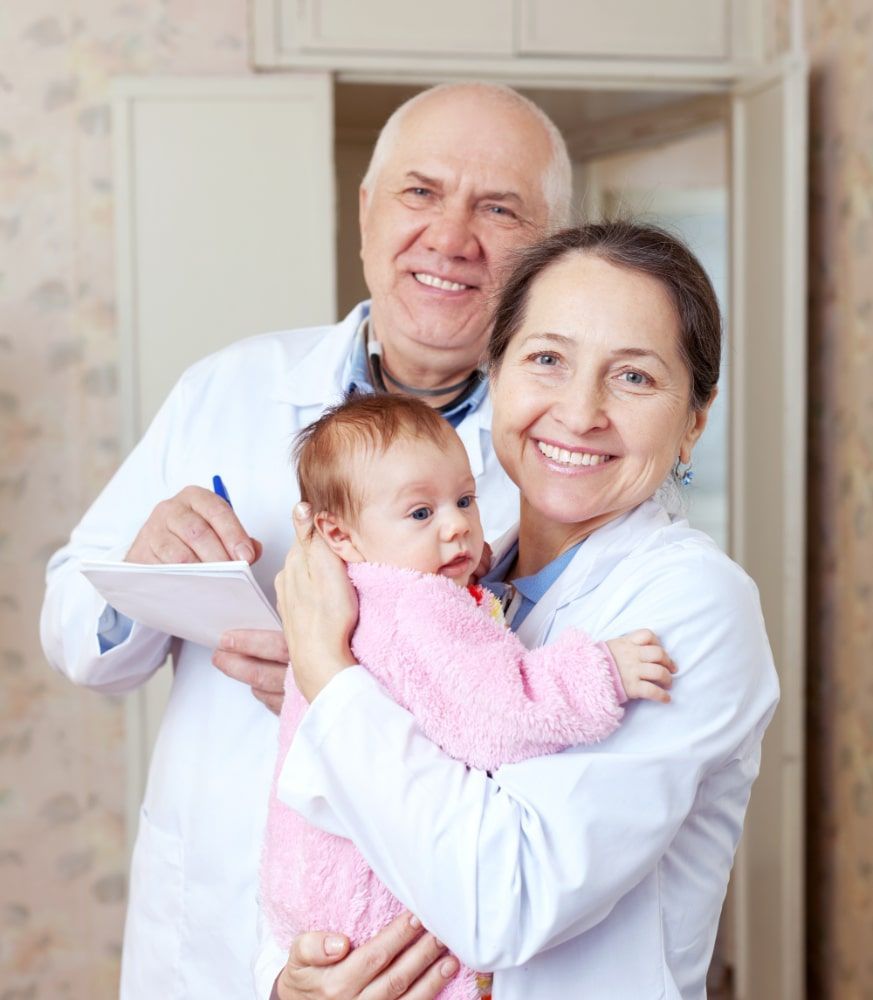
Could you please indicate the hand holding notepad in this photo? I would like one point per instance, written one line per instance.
(195, 601)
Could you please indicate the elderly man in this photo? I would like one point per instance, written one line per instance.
(461, 176)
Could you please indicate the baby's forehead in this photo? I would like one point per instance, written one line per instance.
(414, 457)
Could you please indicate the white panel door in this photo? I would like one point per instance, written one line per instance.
(671, 29)
(225, 228)
(768, 432)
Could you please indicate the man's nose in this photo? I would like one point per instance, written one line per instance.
(451, 234)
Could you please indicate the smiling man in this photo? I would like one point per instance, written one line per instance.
(462, 175)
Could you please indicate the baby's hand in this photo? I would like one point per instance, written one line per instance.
(646, 669)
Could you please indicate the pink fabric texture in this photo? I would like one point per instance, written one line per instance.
(474, 689)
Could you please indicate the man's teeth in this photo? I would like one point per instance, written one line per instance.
(433, 282)
(571, 457)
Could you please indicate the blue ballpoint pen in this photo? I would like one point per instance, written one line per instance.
(219, 489)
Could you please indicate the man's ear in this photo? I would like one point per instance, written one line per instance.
(363, 196)
(337, 537)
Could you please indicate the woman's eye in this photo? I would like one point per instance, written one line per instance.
(420, 514)
(466, 502)
(545, 360)
(635, 378)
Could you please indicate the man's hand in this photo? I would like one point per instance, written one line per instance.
(318, 607)
(193, 526)
(645, 667)
(401, 961)
(257, 658)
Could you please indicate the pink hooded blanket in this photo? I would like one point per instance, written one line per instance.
(474, 690)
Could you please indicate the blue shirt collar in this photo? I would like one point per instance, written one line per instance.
(532, 587)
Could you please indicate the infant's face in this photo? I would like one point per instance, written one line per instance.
(419, 510)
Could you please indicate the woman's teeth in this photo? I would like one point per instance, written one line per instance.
(434, 282)
(565, 457)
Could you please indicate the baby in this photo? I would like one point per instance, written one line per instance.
(393, 495)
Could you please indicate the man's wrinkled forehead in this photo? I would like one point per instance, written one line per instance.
(458, 137)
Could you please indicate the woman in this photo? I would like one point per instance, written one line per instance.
(600, 871)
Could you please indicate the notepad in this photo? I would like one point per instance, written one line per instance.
(195, 601)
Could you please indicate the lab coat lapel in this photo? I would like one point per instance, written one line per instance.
(596, 558)
(318, 377)
(470, 433)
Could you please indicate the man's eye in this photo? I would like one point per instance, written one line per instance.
(501, 210)
(419, 192)
(466, 501)
(420, 514)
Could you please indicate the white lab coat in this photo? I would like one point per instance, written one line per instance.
(599, 872)
(192, 913)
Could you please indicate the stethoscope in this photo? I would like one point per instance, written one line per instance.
(380, 374)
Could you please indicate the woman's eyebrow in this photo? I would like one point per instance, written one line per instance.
(639, 352)
(553, 338)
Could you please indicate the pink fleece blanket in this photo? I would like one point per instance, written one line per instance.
(474, 689)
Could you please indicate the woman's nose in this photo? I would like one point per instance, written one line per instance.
(581, 407)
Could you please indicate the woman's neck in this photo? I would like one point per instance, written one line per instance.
(541, 540)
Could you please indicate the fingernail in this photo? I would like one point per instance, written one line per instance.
(333, 945)
(414, 921)
(301, 511)
(448, 968)
(225, 641)
(244, 551)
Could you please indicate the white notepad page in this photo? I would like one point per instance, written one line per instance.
(195, 601)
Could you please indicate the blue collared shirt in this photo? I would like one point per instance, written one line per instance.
(530, 588)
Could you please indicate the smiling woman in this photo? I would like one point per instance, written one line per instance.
(604, 358)
(601, 870)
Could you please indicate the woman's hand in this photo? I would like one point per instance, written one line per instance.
(402, 960)
(318, 608)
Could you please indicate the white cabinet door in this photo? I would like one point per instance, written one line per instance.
(669, 29)
(455, 26)
(225, 228)
(768, 366)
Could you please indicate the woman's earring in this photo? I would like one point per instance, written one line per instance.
(683, 476)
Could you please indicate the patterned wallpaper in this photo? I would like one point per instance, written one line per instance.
(62, 863)
(840, 709)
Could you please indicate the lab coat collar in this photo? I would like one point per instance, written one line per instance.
(470, 431)
(318, 375)
(597, 556)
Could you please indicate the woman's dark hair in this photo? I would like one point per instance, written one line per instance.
(642, 248)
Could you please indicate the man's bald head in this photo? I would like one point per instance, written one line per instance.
(555, 180)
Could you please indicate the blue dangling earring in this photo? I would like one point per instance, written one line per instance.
(683, 476)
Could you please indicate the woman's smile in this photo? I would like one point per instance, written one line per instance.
(567, 458)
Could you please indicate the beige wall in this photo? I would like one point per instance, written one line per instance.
(840, 41)
(62, 865)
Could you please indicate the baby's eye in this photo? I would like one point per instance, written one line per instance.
(420, 514)
(466, 501)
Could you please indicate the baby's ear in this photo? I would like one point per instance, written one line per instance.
(337, 536)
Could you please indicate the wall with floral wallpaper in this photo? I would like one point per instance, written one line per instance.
(839, 36)
(62, 841)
